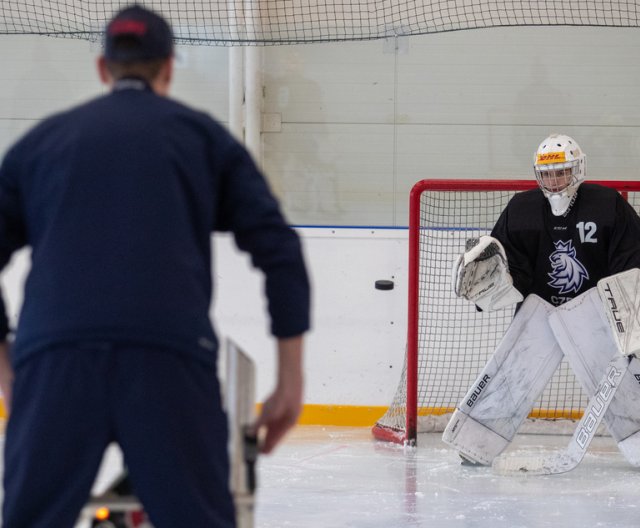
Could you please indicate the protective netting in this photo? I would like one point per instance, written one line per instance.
(301, 21)
(454, 340)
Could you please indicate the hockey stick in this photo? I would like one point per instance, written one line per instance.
(563, 461)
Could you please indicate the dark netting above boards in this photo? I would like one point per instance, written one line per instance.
(304, 21)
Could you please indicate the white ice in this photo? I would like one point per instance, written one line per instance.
(340, 477)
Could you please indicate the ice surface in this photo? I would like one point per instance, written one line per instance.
(340, 477)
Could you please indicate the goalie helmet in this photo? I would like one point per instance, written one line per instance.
(560, 167)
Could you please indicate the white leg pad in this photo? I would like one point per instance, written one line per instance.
(584, 334)
(503, 395)
(630, 448)
(473, 440)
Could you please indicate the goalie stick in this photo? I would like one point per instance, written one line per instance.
(563, 461)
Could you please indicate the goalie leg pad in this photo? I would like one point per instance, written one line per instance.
(506, 390)
(620, 295)
(630, 448)
(585, 336)
(473, 440)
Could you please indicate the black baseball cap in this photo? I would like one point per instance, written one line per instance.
(148, 36)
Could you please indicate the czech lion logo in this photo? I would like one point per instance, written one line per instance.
(567, 273)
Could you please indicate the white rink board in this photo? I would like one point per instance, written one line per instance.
(355, 351)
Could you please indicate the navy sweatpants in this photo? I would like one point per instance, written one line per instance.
(164, 410)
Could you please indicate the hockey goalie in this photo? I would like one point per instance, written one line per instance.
(568, 254)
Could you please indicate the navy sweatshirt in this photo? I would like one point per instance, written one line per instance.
(118, 199)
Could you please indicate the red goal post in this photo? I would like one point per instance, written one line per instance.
(448, 342)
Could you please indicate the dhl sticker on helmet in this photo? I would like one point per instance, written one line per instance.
(551, 157)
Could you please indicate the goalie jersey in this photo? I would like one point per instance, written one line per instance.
(560, 257)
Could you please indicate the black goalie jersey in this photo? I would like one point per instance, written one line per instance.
(560, 257)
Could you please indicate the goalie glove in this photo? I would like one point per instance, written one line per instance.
(620, 295)
(481, 275)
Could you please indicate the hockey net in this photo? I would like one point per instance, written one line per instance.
(448, 341)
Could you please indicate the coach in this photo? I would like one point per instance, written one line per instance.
(117, 199)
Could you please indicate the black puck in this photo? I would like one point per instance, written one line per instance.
(384, 284)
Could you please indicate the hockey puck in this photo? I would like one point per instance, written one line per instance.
(384, 284)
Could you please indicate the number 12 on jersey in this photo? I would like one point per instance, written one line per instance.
(587, 232)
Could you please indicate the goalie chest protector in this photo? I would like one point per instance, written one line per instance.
(560, 257)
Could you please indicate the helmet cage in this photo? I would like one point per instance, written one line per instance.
(559, 177)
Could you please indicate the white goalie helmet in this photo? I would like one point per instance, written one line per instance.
(560, 167)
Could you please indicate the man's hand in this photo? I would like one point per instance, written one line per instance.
(281, 410)
(6, 374)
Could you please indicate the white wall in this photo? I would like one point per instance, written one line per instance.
(356, 347)
(42, 75)
(360, 123)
